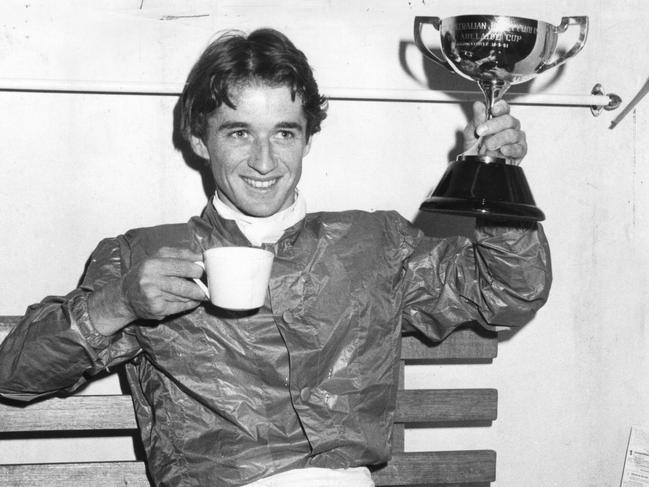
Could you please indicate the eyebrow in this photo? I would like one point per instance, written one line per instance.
(291, 125)
(233, 125)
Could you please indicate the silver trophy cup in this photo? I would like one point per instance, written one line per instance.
(495, 52)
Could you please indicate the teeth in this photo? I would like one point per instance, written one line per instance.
(260, 184)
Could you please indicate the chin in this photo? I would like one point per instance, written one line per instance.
(262, 211)
(261, 208)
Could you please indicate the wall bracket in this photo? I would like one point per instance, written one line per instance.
(615, 101)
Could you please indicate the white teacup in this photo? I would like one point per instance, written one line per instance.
(237, 277)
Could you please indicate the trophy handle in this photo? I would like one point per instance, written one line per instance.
(566, 22)
(419, 23)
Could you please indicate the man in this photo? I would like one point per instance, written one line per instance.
(303, 389)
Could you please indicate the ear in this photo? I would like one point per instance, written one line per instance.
(199, 148)
(307, 147)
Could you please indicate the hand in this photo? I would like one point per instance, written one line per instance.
(153, 289)
(500, 136)
(160, 286)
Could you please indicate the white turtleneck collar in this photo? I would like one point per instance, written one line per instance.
(263, 229)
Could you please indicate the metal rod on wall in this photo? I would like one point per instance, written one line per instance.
(459, 96)
(174, 89)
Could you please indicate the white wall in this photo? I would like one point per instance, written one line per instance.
(78, 167)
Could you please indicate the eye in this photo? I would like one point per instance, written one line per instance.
(285, 134)
(238, 134)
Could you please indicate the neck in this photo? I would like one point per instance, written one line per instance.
(268, 229)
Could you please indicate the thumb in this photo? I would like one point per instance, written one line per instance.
(471, 138)
(479, 113)
(479, 116)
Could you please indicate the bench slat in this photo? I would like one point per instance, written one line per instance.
(74, 413)
(91, 474)
(446, 405)
(444, 467)
(404, 469)
(115, 412)
(463, 344)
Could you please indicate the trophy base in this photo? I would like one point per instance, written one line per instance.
(486, 187)
(488, 209)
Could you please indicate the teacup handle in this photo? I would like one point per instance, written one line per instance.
(200, 283)
(566, 22)
(419, 23)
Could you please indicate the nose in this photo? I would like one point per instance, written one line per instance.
(261, 158)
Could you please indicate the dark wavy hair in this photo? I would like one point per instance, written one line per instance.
(234, 60)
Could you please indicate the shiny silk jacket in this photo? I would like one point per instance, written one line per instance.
(310, 379)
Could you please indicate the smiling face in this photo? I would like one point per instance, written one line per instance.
(256, 150)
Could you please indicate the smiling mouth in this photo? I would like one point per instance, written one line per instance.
(260, 184)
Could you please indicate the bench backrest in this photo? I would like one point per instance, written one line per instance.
(92, 415)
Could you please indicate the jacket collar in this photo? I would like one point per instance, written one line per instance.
(223, 230)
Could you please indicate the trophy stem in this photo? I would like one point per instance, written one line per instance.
(493, 91)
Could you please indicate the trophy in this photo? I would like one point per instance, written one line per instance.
(496, 52)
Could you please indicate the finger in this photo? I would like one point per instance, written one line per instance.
(501, 120)
(503, 138)
(174, 267)
(514, 151)
(162, 305)
(479, 113)
(499, 125)
(182, 289)
(501, 107)
(173, 306)
(178, 253)
(177, 307)
(470, 134)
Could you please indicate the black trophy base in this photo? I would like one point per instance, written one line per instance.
(486, 187)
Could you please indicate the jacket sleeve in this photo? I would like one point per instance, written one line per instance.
(501, 278)
(55, 348)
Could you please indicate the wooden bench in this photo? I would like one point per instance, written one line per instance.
(92, 415)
